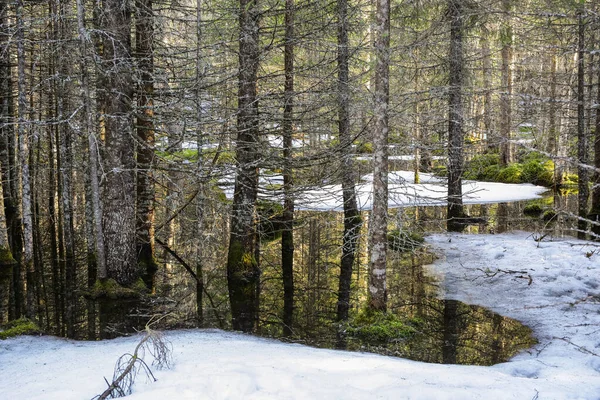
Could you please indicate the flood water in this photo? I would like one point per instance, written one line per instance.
(431, 329)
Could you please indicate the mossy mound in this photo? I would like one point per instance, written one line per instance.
(533, 210)
(533, 168)
(109, 288)
(18, 327)
(549, 215)
(380, 327)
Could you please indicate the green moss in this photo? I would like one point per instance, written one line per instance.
(538, 172)
(534, 168)
(483, 167)
(549, 215)
(510, 174)
(364, 148)
(6, 257)
(270, 215)
(109, 288)
(18, 327)
(380, 327)
(532, 210)
(570, 179)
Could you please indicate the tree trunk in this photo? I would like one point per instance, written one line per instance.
(6, 259)
(95, 237)
(487, 86)
(243, 271)
(352, 220)
(145, 132)
(379, 215)
(595, 213)
(27, 261)
(63, 95)
(200, 199)
(287, 235)
(119, 162)
(506, 37)
(582, 137)
(455, 114)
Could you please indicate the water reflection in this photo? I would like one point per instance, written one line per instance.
(437, 330)
(446, 331)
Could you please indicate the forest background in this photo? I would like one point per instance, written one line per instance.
(154, 154)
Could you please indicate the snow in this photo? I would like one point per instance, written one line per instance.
(403, 192)
(431, 191)
(561, 303)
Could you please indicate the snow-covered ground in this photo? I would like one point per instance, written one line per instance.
(561, 302)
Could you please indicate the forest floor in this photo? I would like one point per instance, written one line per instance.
(553, 286)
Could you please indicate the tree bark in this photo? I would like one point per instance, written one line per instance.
(582, 137)
(26, 211)
(455, 114)
(64, 93)
(119, 162)
(6, 259)
(379, 215)
(243, 272)
(506, 37)
(287, 234)
(145, 133)
(352, 220)
(595, 211)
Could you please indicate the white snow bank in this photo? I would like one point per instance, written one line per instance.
(561, 304)
(403, 192)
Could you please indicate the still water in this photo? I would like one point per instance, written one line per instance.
(424, 327)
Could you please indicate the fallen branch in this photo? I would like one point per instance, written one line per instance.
(524, 274)
(128, 366)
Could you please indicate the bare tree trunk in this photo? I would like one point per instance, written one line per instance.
(582, 137)
(379, 215)
(10, 165)
(93, 147)
(145, 132)
(27, 261)
(487, 86)
(243, 272)
(95, 237)
(455, 114)
(6, 262)
(552, 129)
(352, 220)
(595, 212)
(6, 259)
(200, 199)
(65, 140)
(506, 37)
(287, 235)
(119, 162)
